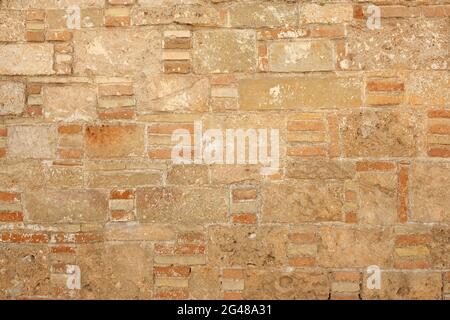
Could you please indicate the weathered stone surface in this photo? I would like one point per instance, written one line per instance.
(31, 142)
(258, 15)
(308, 202)
(209, 46)
(25, 271)
(117, 52)
(12, 97)
(354, 247)
(378, 198)
(22, 174)
(247, 246)
(301, 56)
(114, 141)
(108, 179)
(430, 193)
(204, 283)
(173, 93)
(109, 268)
(379, 133)
(50, 4)
(291, 93)
(26, 59)
(427, 88)
(188, 174)
(66, 206)
(175, 204)
(320, 170)
(12, 25)
(328, 13)
(440, 247)
(70, 103)
(395, 45)
(406, 285)
(87, 183)
(266, 285)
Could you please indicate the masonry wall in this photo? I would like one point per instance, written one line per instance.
(91, 205)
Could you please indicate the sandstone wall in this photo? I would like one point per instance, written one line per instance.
(88, 191)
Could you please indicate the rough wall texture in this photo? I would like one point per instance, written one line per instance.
(91, 205)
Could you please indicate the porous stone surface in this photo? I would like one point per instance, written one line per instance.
(134, 162)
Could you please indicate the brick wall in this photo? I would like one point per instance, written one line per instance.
(91, 205)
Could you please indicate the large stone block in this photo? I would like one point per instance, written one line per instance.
(266, 284)
(430, 193)
(247, 246)
(379, 134)
(12, 25)
(378, 198)
(12, 97)
(405, 285)
(25, 271)
(287, 93)
(400, 43)
(26, 59)
(224, 51)
(31, 142)
(328, 13)
(66, 206)
(70, 103)
(182, 205)
(302, 203)
(347, 247)
(301, 56)
(114, 141)
(117, 52)
(172, 93)
(259, 15)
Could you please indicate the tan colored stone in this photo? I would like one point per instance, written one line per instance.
(66, 206)
(428, 88)
(12, 97)
(25, 174)
(345, 247)
(320, 170)
(117, 52)
(405, 285)
(25, 271)
(64, 176)
(308, 202)
(12, 25)
(70, 103)
(240, 246)
(109, 270)
(175, 204)
(204, 283)
(108, 179)
(173, 93)
(395, 45)
(26, 59)
(31, 142)
(271, 93)
(224, 51)
(301, 56)
(52, 4)
(328, 13)
(258, 15)
(188, 174)
(114, 141)
(378, 198)
(379, 133)
(430, 193)
(139, 231)
(266, 284)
